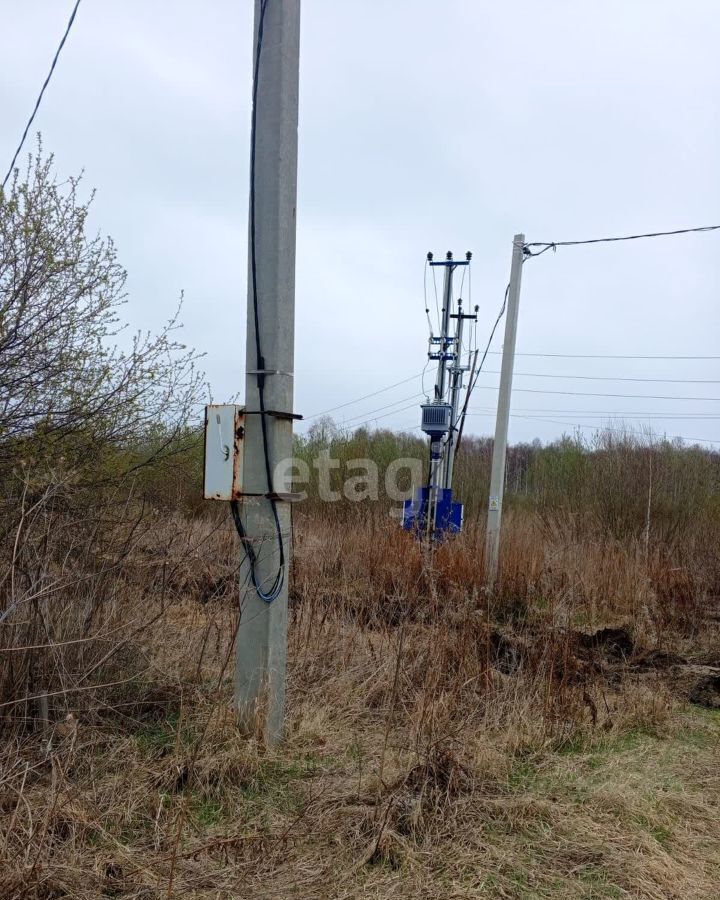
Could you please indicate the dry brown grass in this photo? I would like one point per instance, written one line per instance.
(437, 746)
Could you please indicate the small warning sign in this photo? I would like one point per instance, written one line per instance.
(494, 504)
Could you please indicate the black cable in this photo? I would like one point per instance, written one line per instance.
(609, 378)
(552, 245)
(371, 412)
(471, 386)
(605, 413)
(437, 301)
(274, 592)
(601, 356)
(624, 430)
(602, 427)
(544, 355)
(462, 281)
(487, 346)
(371, 418)
(427, 308)
(42, 91)
(518, 390)
(366, 396)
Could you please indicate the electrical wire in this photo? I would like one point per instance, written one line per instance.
(370, 413)
(553, 245)
(473, 382)
(469, 268)
(437, 300)
(616, 430)
(274, 592)
(611, 356)
(371, 418)
(624, 430)
(608, 413)
(579, 425)
(364, 397)
(427, 308)
(462, 281)
(422, 380)
(612, 378)
(548, 355)
(42, 91)
(490, 387)
(473, 343)
(490, 339)
(479, 412)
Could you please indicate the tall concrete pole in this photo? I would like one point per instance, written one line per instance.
(262, 634)
(497, 476)
(442, 376)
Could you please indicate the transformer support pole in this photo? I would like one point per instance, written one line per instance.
(497, 477)
(445, 328)
(437, 466)
(442, 375)
(261, 650)
(455, 388)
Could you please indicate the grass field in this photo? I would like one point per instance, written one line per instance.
(542, 744)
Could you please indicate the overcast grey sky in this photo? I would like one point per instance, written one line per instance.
(422, 126)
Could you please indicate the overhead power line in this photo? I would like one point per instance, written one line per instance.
(553, 245)
(473, 380)
(605, 417)
(544, 375)
(622, 430)
(415, 397)
(370, 415)
(490, 387)
(364, 397)
(551, 422)
(615, 430)
(601, 356)
(370, 418)
(613, 378)
(382, 390)
(607, 413)
(42, 91)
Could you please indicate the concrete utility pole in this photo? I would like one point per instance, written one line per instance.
(456, 383)
(445, 348)
(497, 477)
(445, 327)
(440, 418)
(262, 635)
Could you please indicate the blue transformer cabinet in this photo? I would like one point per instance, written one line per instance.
(449, 516)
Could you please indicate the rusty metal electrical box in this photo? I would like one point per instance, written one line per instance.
(224, 440)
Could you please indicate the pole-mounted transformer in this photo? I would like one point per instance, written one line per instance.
(432, 512)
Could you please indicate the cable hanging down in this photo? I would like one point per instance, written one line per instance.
(42, 91)
(473, 382)
(274, 592)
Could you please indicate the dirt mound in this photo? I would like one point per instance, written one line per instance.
(658, 660)
(706, 692)
(612, 643)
